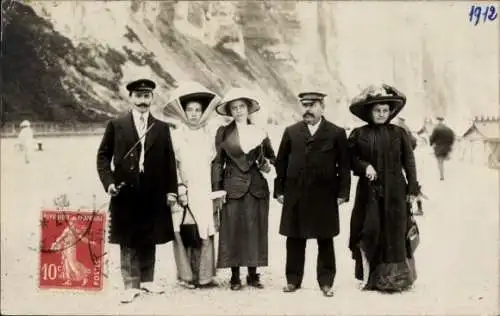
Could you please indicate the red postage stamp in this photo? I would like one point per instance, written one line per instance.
(72, 250)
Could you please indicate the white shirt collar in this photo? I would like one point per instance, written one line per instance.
(317, 123)
(314, 128)
(242, 124)
(136, 115)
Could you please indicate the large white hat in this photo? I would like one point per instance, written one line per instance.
(25, 123)
(236, 94)
(186, 92)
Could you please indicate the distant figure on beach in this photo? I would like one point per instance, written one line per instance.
(26, 141)
(442, 140)
(73, 269)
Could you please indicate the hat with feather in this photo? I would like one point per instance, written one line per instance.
(362, 105)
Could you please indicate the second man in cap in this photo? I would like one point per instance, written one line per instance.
(313, 179)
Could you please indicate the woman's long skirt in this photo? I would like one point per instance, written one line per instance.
(243, 233)
(384, 259)
(195, 265)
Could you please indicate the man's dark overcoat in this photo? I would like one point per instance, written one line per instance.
(442, 140)
(312, 172)
(139, 213)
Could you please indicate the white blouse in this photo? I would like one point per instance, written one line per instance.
(250, 136)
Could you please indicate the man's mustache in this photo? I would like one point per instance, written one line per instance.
(308, 114)
(142, 105)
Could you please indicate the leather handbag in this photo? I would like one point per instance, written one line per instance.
(413, 234)
(189, 232)
(262, 162)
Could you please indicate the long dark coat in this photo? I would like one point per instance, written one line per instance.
(139, 213)
(379, 220)
(312, 173)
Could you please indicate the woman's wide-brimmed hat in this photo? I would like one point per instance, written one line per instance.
(237, 94)
(361, 105)
(25, 123)
(187, 92)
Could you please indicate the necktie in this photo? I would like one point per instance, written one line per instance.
(142, 129)
(142, 123)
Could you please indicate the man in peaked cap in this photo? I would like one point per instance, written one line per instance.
(312, 179)
(144, 85)
(142, 186)
(311, 97)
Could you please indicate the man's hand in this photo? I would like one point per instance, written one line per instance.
(341, 201)
(171, 199)
(371, 174)
(112, 190)
(280, 199)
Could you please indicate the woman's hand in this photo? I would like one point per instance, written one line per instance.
(265, 166)
(411, 198)
(371, 174)
(183, 199)
(219, 202)
(280, 199)
(171, 199)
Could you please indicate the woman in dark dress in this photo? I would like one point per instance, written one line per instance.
(380, 152)
(243, 153)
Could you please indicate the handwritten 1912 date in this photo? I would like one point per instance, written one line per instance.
(483, 13)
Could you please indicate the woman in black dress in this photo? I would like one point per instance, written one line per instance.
(380, 152)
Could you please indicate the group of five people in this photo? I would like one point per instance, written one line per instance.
(155, 173)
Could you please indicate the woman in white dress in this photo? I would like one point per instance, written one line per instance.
(26, 141)
(191, 105)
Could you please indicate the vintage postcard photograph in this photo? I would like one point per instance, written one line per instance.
(271, 157)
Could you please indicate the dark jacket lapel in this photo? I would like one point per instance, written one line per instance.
(151, 134)
(304, 132)
(233, 149)
(129, 127)
(233, 145)
(306, 135)
(321, 129)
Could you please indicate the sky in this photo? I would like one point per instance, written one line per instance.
(369, 33)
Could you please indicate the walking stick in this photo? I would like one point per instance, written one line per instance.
(122, 184)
